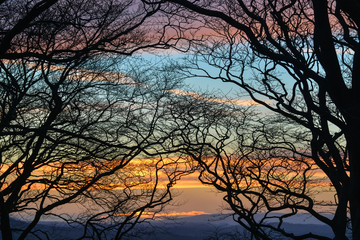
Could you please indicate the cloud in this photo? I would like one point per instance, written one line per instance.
(195, 95)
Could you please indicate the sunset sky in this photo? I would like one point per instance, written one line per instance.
(113, 113)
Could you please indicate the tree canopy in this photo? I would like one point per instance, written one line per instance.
(299, 59)
(79, 123)
(67, 108)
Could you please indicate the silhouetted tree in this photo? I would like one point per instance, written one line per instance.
(262, 164)
(299, 59)
(61, 30)
(70, 134)
(73, 116)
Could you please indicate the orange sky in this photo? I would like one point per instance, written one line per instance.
(191, 197)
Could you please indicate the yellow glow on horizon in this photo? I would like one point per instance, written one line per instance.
(167, 214)
(190, 184)
(177, 214)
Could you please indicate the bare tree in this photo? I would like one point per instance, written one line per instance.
(299, 59)
(61, 30)
(73, 116)
(264, 167)
(70, 134)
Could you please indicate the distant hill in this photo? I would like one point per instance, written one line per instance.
(200, 227)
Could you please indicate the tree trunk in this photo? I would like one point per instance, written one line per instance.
(354, 191)
(339, 226)
(4, 220)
